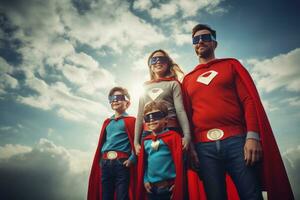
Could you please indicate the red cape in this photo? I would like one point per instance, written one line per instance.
(95, 187)
(173, 140)
(273, 175)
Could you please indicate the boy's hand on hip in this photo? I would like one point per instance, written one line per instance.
(137, 149)
(252, 151)
(127, 163)
(148, 187)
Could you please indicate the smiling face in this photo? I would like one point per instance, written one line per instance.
(160, 69)
(156, 125)
(119, 106)
(204, 49)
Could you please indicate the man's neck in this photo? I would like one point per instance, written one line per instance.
(203, 60)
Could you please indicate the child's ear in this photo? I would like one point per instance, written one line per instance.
(127, 104)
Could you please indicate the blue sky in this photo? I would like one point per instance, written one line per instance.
(58, 60)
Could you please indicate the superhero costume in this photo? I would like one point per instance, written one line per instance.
(173, 140)
(273, 176)
(95, 188)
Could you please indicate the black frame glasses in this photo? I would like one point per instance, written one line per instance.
(204, 38)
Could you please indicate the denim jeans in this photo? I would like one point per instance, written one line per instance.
(115, 179)
(227, 156)
(159, 193)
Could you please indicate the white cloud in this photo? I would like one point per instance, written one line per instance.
(10, 150)
(58, 95)
(291, 160)
(52, 171)
(185, 8)
(142, 5)
(164, 11)
(5, 67)
(8, 81)
(293, 101)
(278, 72)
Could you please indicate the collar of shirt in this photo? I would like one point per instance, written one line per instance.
(120, 117)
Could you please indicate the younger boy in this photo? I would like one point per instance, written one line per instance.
(114, 177)
(160, 168)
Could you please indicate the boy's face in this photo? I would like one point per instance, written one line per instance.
(156, 122)
(119, 105)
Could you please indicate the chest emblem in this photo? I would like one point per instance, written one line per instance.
(207, 77)
(155, 145)
(155, 92)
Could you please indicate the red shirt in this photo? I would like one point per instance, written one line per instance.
(219, 98)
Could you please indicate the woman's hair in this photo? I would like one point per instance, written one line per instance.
(174, 71)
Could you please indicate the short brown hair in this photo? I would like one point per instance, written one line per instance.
(156, 105)
(199, 27)
(124, 91)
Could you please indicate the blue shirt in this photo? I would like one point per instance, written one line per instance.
(159, 165)
(116, 138)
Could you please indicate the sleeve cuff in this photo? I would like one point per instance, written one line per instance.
(252, 135)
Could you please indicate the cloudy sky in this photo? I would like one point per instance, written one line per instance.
(59, 58)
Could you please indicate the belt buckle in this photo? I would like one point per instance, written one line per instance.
(215, 134)
(112, 155)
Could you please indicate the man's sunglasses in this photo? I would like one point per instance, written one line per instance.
(204, 38)
(113, 98)
(161, 59)
(154, 116)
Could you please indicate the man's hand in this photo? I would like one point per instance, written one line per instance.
(148, 187)
(252, 151)
(127, 163)
(185, 143)
(137, 149)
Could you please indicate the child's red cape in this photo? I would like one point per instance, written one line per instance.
(273, 175)
(95, 187)
(173, 140)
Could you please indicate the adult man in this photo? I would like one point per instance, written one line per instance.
(231, 130)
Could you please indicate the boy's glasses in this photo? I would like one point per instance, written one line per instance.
(113, 98)
(204, 38)
(161, 59)
(154, 116)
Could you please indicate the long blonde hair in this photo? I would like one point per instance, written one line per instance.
(174, 71)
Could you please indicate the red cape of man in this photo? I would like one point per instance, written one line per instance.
(95, 187)
(173, 140)
(273, 175)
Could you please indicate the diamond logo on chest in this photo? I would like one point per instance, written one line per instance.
(207, 77)
(155, 92)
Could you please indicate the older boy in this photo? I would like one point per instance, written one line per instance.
(160, 168)
(114, 176)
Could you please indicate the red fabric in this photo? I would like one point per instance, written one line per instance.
(95, 188)
(225, 93)
(160, 79)
(173, 140)
(273, 174)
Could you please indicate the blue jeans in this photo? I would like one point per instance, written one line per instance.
(159, 193)
(115, 179)
(227, 156)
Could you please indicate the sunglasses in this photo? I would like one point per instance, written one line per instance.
(154, 116)
(204, 38)
(113, 98)
(161, 59)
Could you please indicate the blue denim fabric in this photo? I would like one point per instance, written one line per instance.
(115, 179)
(159, 193)
(227, 156)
